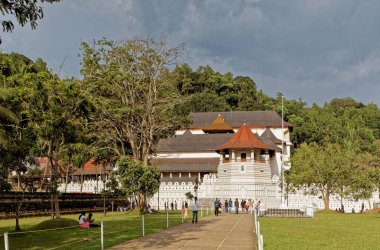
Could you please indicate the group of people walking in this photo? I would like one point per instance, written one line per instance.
(247, 206)
(233, 206)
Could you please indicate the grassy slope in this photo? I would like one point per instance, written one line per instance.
(325, 231)
(118, 228)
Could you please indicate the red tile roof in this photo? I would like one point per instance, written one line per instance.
(245, 139)
(92, 168)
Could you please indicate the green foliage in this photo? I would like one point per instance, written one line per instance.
(206, 90)
(366, 177)
(4, 185)
(113, 188)
(133, 92)
(324, 169)
(26, 11)
(137, 179)
(189, 195)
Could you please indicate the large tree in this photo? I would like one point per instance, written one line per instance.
(134, 93)
(138, 180)
(366, 178)
(25, 11)
(55, 111)
(323, 169)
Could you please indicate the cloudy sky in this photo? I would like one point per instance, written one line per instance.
(310, 49)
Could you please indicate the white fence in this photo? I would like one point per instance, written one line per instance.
(260, 238)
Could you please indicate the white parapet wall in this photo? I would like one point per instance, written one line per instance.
(268, 194)
(211, 188)
(89, 186)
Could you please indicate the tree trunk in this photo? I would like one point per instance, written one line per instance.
(18, 209)
(18, 182)
(52, 206)
(56, 206)
(82, 180)
(54, 187)
(67, 179)
(326, 200)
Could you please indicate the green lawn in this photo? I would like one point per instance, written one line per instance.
(120, 227)
(327, 230)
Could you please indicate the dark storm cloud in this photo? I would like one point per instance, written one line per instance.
(316, 50)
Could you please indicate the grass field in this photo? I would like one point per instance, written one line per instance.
(327, 230)
(120, 227)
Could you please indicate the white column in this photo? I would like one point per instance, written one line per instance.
(266, 156)
(252, 155)
(233, 156)
(221, 157)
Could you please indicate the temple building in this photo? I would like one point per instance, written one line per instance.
(220, 140)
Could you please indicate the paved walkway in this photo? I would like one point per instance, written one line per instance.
(222, 232)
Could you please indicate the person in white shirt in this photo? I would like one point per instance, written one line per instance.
(83, 223)
(195, 208)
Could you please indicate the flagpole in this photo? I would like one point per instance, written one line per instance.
(283, 204)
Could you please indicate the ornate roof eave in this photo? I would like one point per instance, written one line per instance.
(245, 139)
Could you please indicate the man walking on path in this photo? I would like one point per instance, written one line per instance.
(195, 210)
(236, 206)
(229, 205)
(250, 206)
(217, 205)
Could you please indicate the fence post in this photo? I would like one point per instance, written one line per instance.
(143, 225)
(255, 222)
(258, 234)
(261, 242)
(167, 219)
(101, 235)
(6, 243)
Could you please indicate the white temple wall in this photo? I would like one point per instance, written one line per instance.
(267, 193)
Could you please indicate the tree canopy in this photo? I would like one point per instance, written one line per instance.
(137, 179)
(25, 11)
(134, 93)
